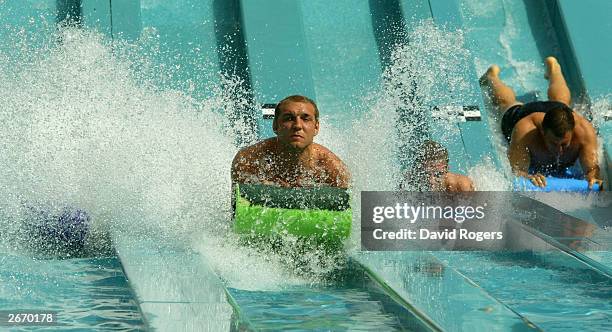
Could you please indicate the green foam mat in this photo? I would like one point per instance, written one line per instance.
(322, 214)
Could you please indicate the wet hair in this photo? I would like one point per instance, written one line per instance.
(431, 151)
(295, 99)
(416, 178)
(559, 121)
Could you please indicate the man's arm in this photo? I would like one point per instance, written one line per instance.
(235, 179)
(237, 167)
(458, 183)
(588, 157)
(242, 171)
(518, 153)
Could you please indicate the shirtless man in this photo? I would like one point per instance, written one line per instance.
(430, 171)
(546, 137)
(291, 159)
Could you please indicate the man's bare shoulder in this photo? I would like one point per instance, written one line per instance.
(256, 150)
(531, 122)
(584, 130)
(247, 161)
(325, 154)
(338, 172)
(526, 130)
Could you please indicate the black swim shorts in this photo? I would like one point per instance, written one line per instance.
(515, 113)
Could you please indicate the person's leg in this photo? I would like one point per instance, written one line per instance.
(502, 95)
(557, 87)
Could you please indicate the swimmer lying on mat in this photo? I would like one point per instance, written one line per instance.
(291, 159)
(546, 137)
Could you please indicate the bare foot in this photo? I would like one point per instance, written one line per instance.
(552, 66)
(492, 73)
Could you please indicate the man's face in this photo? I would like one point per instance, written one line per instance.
(557, 145)
(296, 125)
(435, 171)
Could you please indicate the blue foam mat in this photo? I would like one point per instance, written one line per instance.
(554, 184)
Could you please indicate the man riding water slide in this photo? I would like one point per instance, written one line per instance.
(546, 137)
(291, 159)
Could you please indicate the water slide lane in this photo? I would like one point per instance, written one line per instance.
(291, 55)
(589, 240)
(588, 30)
(194, 46)
(343, 55)
(419, 280)
(299, 45)
(473, 133)
(409, 16)
(440, 293)
(173, 286)
(563, 257)
(277, 52)
(180, 37)
(518, 35)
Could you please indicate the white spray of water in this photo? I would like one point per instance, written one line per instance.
(86, 125)
(429, 70)
(425, 72)
(83, 129)
(487, 177)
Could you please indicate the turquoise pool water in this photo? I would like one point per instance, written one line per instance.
(352, 302)
(86, 293)
(548, 288)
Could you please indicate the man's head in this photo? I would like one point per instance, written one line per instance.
(296, 122)
(430, 165)
(557, 129)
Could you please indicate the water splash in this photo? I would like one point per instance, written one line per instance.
(83, 128)
(428, 70)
